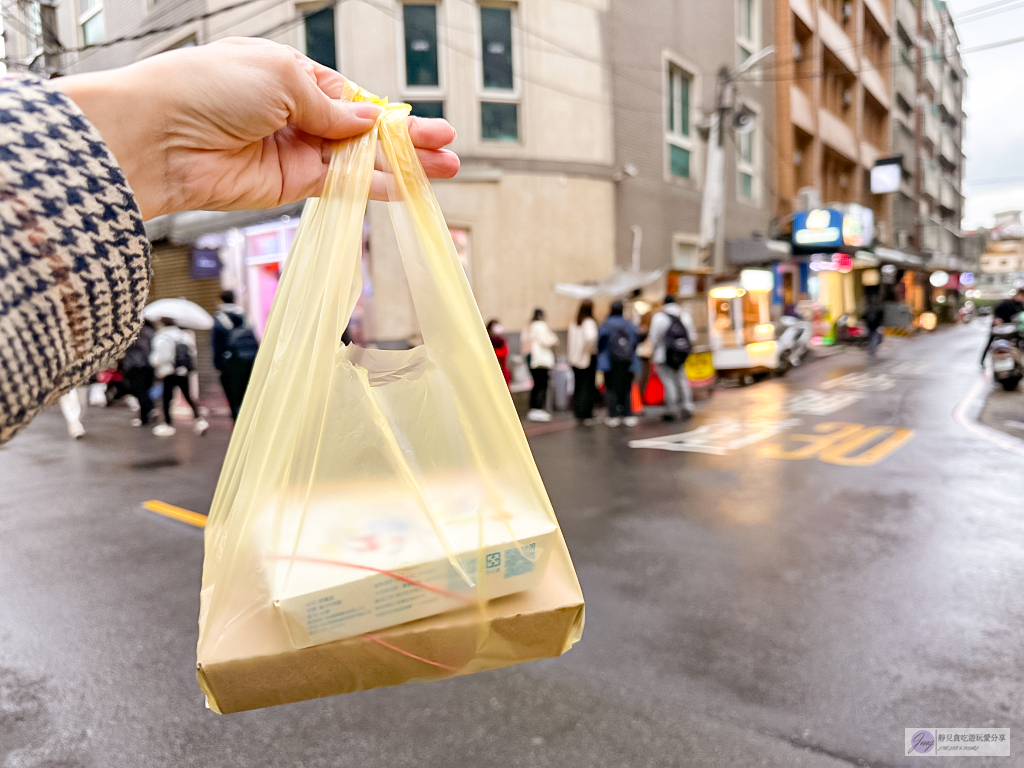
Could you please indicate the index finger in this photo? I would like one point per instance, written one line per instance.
(430, 132)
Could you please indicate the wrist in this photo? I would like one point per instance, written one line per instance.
(120, 114)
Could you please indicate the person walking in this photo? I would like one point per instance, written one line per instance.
(542, 343)
(1005, 312)
(173, 359)
(497, 336)
(138, 372)
(582, 354)
(234, 350)
(671, 337)
(616, 358)
(874, 316)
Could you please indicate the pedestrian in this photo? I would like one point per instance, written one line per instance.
(616, 358)
(88, 157)
(138, 372)
(173, 359)
(873, 319)
(234, 350)
(582, 354)
(1006, 311)
(542, 343)
(497, 336)
(671, 337)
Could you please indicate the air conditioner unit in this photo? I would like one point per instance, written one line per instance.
(902, 239)
(808, 198)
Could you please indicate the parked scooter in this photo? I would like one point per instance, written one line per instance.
(1007, 365)
(793, 343)
(966, 313)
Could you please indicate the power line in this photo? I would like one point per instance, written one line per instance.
(1000, 44)
(984, 8)
(995, 182)
(994, 12)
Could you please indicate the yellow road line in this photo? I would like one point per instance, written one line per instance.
(169, 510)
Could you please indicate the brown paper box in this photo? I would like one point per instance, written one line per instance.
(248, 672)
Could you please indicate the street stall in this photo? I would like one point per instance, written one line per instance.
(741, 332)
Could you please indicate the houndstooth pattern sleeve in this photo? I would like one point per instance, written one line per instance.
(74, 258)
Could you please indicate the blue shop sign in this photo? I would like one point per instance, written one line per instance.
(820, 228)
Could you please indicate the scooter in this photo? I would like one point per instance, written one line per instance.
(849, 332)
(1007, 365)
(793, 342)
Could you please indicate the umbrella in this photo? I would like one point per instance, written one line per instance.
(185, 313)
(619, 283)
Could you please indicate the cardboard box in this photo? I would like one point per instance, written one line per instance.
(253, 664)
(358, 562)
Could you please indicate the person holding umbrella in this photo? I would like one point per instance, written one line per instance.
(173, 358)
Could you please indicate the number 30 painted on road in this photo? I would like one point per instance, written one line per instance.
(839, 442)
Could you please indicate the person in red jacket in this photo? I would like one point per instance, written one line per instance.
(497, 336)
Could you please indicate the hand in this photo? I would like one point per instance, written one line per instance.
(239, 123)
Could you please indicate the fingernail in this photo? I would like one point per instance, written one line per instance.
(367, 111)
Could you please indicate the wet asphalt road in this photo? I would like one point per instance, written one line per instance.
(750, 602)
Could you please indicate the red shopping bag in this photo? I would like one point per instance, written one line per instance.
(654, 390)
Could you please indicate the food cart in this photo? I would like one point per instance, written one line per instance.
(740, 329)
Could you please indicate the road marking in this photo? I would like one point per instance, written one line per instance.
(980, 430)
(717, 438)
(871, 382)
(177, 513)
(811, 402)
(836, 440)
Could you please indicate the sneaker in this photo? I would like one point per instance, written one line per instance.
(631, 421)
(538, 415)
(136, 422)
(201, 426)
(613, 421)
(76, 430)
(164, 430)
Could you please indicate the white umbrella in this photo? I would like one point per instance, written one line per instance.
(185, 313)
(619, 283)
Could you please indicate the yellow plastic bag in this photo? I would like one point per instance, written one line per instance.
(379, 517)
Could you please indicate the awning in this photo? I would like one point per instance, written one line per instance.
(621, 282)
(745, 250)
(899, 258)
(188, 226)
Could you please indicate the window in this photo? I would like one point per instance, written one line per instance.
(678, 129)
(90, 19)
(499, 108)
(747, 32)
(427, 108)
(420, 45)
(747, 163)
(320, 45)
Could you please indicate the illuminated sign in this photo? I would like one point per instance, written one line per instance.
(967, 278)
(757, 280)
(939, 278)
(886, 175)
(858, 226)
(821, 227)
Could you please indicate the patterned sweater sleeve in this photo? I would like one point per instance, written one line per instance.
(74, 258)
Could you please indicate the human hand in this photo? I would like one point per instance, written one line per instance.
(239, 123)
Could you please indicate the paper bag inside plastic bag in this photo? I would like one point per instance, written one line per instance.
(379, 517)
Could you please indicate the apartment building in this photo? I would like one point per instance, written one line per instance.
(664, 55)
(834, 101)
(928, 132)
(525, 87)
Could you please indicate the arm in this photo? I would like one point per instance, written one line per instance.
(219, 343)
(550, 337)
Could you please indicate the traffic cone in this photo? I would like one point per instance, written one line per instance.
(635, 403)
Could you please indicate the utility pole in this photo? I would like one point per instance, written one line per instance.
(712, 213)
(919, 129)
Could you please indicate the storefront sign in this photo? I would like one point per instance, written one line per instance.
(966, 278)
(822, 227)
(757, 280)
(858, 226)
(939, 279)
(886, 175)
(205, 264)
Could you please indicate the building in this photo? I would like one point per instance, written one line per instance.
(664, 55)
(928, 132)
(533, 204)
(1001, 264)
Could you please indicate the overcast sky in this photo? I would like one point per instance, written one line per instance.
(994, 103)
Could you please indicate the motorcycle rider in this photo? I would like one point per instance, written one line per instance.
(1005, 312)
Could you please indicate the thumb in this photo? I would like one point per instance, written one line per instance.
(315, 113)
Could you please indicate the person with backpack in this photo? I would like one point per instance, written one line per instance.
(138, 373)
(541, 342)
(173, 358)
(671, 337)
(234, 350)
(616, 358)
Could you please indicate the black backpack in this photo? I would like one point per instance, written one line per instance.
(677, 343)
(183, 359)
(620, 345)
(242, 344)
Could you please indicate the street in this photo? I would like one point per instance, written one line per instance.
(782, 585)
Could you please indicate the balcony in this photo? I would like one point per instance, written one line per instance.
(948, 196)
(906, 15)
(932, 185)
(800, 110)
(932, 73)
(837, 134)
(906, 82)
(947, 148)
(949, 99)
(932, 125)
